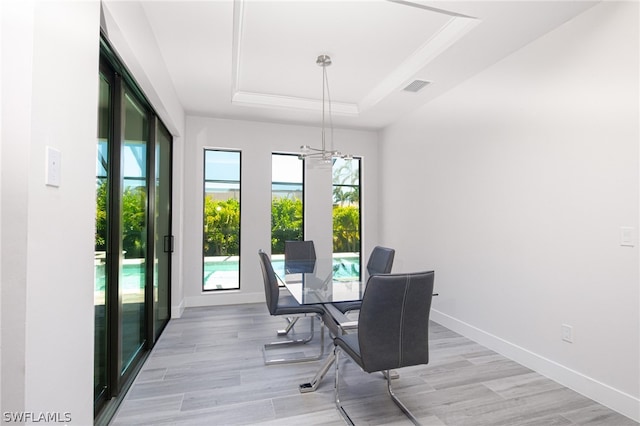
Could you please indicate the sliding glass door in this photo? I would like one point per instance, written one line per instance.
(133, 231)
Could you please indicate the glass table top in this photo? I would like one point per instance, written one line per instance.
(312, 282)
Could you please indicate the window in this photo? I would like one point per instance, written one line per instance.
(287, 217)
(221, 236)
(346, 216)
(286, 200)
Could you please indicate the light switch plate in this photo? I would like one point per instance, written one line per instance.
(53, 167)
(627, 236)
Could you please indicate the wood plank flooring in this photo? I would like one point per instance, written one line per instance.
(207, 369)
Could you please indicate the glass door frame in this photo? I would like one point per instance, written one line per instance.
(106, 72)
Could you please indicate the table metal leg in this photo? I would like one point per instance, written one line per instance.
(312, 385)
(290, 323)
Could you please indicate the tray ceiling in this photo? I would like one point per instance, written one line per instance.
(255, 59)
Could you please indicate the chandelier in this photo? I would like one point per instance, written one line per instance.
(324, 154)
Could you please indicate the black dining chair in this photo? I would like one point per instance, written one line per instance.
(283, 303)
(380, 262)
(393, 329)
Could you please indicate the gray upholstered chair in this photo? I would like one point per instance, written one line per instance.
(299, 256)
(392, 329)
(380, 262)
(299, 250)
(283, 303)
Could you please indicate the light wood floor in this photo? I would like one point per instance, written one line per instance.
(207, 369)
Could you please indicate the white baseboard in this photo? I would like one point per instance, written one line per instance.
(602, 393)
(177, 311)
(218, 298)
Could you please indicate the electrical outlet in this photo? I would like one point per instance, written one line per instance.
(567, 333)
(53, 167)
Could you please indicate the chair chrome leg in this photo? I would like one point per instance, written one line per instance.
(395, 399)
(392, 374)
(290, 323)
(341, 410)
(285, 360)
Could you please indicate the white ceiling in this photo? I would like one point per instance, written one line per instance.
(255, 60)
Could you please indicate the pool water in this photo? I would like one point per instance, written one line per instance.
(131, 279)
(222, 273)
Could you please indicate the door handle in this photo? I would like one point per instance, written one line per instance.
(168, 243)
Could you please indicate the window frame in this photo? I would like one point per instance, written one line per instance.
(302, 186)
(359, 159)
(204, 194)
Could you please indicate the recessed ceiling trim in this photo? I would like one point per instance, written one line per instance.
(430, 8)
(451, 32)
(455, 28)
(238, 14)
(239, 97)
(270, 101)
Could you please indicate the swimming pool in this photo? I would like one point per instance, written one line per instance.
(132, 280)
(221, 273)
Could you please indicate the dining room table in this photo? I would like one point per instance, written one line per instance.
(320, 281)
(323, 281)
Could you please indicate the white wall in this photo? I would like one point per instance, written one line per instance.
(1, 137)
(518, 182)
(17, 48)
(50, 81)
(129, 32)
(257, 141)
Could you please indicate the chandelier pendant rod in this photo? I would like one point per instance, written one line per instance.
(307, 151)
